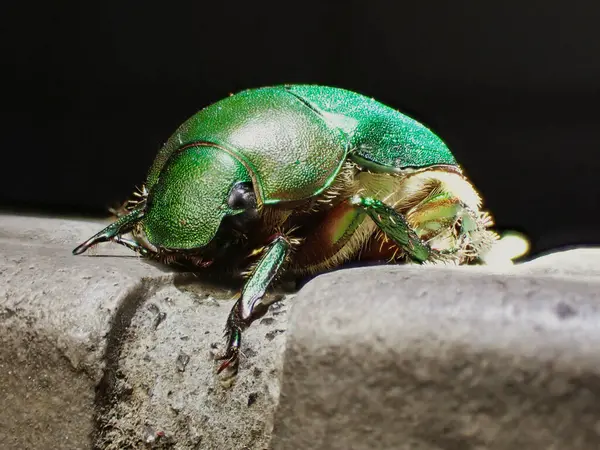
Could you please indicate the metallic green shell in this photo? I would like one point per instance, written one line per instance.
(290, 153)
(381, 138)
(294, 139)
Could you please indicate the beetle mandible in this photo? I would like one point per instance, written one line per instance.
(302, 178)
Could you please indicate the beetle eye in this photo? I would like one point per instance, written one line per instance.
(242, 196)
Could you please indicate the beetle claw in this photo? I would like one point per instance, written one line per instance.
(232, 361)
(231, 355)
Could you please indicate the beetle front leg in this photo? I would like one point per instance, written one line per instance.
(248, 308)
(395, 226)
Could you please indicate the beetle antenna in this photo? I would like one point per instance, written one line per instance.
(122, 225)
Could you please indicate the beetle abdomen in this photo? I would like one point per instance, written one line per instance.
(441, 206)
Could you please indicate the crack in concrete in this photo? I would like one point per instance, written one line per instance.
(106, 392)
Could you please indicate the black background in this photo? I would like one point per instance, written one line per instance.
(92, 90)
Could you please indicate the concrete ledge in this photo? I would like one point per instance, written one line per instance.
(84, 360)
(111, 351)
(55, 314)
(438, 358)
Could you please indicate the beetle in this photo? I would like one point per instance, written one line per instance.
(300, 179)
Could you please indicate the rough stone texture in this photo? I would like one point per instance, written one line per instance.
(580, 264)
(445, 358)
(81, 360)
(168, 394)
(111, 350)
(54, 313)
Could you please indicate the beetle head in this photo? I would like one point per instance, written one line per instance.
(192, 196)
(197, 189)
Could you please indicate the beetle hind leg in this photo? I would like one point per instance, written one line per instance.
(457, 231)
(441, 228)
(395, 226)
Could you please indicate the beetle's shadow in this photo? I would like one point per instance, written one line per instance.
(222, 283)
(300, 283)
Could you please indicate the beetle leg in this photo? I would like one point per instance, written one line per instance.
(131, 245)
(395, 226)
(248, 307)
(121, 226)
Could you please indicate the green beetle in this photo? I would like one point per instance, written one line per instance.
(301, 178)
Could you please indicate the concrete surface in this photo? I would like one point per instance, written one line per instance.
(445, 358)
(166, 376)
(84, 361)
(55, 313)
(111, 351)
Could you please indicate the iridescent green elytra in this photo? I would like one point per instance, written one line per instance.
(302, 179)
